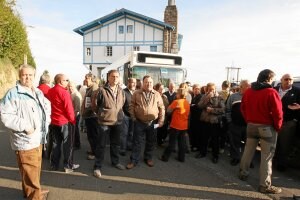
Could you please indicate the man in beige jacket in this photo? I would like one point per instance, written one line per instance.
(148, 112)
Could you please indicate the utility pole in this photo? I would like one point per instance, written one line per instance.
(25, 59)
(230, 71)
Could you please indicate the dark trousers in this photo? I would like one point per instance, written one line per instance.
(223, 132)
(114, 136)
(77, 133)
(237, 134)
(62, 135)
(286, 136)
(140, 131)
(162, 134)
(195, 133)
(126, 134)
(92, 132)
(176, 135)
(211, 131)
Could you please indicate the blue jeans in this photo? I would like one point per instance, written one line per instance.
(62, 135)
(140, 131)
(126, 134)
(114, 136)
(267, 136)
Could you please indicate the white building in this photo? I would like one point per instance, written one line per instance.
(110, 37)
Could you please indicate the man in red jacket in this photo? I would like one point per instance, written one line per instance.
(62, 116)
(262, 110)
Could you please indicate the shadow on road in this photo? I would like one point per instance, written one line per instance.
(194, 179)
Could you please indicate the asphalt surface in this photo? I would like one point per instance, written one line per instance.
(194, 179)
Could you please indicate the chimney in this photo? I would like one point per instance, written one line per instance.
(171, 3)
(171, 36)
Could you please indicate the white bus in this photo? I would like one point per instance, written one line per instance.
(162, 67)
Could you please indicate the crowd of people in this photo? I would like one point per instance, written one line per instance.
(199, 119)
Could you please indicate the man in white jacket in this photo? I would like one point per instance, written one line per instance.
(26, 112)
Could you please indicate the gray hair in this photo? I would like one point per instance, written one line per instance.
(25, 66)
(45, 78)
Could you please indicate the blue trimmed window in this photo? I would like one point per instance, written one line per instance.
(121, 29)
(153, 48)
(129, 28)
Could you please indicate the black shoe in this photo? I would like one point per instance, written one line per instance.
(53, 168)
(163, 158)
(234, 162)
(180, 160)
(215, 160)
(251, 165)
(200, 155)
(122, 153)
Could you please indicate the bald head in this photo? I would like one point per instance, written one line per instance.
(286, 81)
(62, 80)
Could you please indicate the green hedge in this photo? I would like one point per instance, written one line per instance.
(13, 36)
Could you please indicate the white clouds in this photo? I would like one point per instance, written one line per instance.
(265, 36)
(58, 52)
(253, 35)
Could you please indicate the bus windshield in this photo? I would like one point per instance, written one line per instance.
(159, 74)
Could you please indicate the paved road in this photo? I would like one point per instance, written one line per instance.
(194, 179)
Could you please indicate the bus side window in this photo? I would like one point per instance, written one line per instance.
(127, 72)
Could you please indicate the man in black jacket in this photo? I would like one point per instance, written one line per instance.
(127, 133)
(171, 94)
(289, 95)
(236, 123)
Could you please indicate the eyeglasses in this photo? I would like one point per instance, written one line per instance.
(287, 79)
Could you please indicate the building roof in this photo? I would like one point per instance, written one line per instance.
(80, 30)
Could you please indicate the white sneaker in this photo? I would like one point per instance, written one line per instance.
(270, 190)
(70, 170)
(75, 166)
(91, 157)
(97, 173)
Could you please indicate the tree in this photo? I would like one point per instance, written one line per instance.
(13, 36)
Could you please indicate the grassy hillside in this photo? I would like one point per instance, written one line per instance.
(8, 76)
